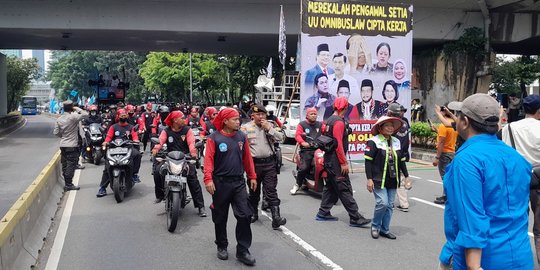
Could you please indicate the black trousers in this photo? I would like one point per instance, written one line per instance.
(535, 208)
(192, 181)
(337, 186)
(135, 166)
(69, 158)
(145, 138)
(306, 162)
(267, 181)
(231, 191)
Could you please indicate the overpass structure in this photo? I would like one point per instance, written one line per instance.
(237, 26)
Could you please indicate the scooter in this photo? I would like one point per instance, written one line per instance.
(94, 138)
(316, 178)
(175, 169)
(120, 169)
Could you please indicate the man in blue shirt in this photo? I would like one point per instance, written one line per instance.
(487, 187)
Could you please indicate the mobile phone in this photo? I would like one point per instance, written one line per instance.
(443, 108)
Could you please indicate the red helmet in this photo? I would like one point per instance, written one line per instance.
(130, 108)
(92, 108)
(121, 112)
(194, 110)
(341, 103)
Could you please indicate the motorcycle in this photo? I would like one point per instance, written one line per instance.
(316, 178)
(175, 168)
(120, 170)
(94, 138)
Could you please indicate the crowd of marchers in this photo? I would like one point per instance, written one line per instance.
(489, 171)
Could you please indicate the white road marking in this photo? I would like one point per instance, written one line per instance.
(309, 248)
(415, 177)
(426, 202)
(442, 207)
(433, 181)
(56, 250)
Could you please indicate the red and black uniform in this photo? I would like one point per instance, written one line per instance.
(312, 130)
(147, 118)
(126, 132)
(227, 157)
(208, 128)
(193, 122)
(338, 186)
(183, 141)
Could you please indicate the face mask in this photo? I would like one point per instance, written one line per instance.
(92, 113)
(123, 120)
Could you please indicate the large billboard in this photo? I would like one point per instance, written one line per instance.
(360, 50)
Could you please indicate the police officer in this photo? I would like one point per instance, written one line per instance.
(124, 130)
(261, 136)
(179, 137)
(313, 129)
(338, 184)
(67, 128)
(227, 157)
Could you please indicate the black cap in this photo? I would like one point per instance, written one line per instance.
(322, 48)
(343, 83)
(258, 108)
(367, 82)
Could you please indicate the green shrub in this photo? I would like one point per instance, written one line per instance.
(422, 134)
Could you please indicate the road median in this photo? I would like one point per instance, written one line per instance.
(24, 227)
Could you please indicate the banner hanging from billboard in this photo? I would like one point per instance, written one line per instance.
(360, 50)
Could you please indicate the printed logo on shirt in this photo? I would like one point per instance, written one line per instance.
(317, 129)
(183, 137)
(307, 130)
(223, 147)
(117, 133)
(210, 130)
(241, 145)
(171, 139)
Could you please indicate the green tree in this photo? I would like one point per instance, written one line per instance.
(20, 73)
(167, 75)
(512, 76)
(73, 69)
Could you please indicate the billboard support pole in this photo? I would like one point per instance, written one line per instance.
(296, 84)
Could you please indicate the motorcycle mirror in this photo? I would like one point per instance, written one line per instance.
(198, 144)
(155, 140)
(285, 122)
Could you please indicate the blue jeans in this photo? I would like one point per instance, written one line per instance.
(384, 204)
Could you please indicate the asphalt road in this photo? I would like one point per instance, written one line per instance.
(132, 235)
(23, 154)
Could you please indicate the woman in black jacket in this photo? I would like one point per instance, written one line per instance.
(384, 162)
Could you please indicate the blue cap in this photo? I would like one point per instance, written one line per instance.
(532, 102)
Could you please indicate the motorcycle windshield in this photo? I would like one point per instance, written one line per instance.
(176, 155)
(95, 128)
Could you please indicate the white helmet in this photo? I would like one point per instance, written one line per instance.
(492, 92)
(270, 108)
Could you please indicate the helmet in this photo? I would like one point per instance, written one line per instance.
(163, 109)
(194, 109)
(270, 108)
(92, 108)
(130, 108)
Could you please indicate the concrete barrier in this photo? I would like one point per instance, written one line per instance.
(10, 123)
(25, 226)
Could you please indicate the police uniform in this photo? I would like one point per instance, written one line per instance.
(226, 159)
(179, 141)
(261, 145)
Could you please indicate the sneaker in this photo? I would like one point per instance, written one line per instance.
(402, 209)
(328, 217)
(374, 233)
(246, 258)
(71, 187)
(361, 222)
(102, 192)
(222, 254)
(80, 167)
(136, 178)
(202, 212)
(388, 235)
(440, 200)
(295, 189)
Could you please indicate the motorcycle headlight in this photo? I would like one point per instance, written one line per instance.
(175, 168)
(111, 162)
(125, 161)
(88, 149)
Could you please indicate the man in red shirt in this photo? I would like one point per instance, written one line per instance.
(227, 157)
(338, 184)
(124, 130)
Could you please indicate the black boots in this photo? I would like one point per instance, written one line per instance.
(277, 220)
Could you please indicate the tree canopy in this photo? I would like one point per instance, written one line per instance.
(511, 76)
(20, 73)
